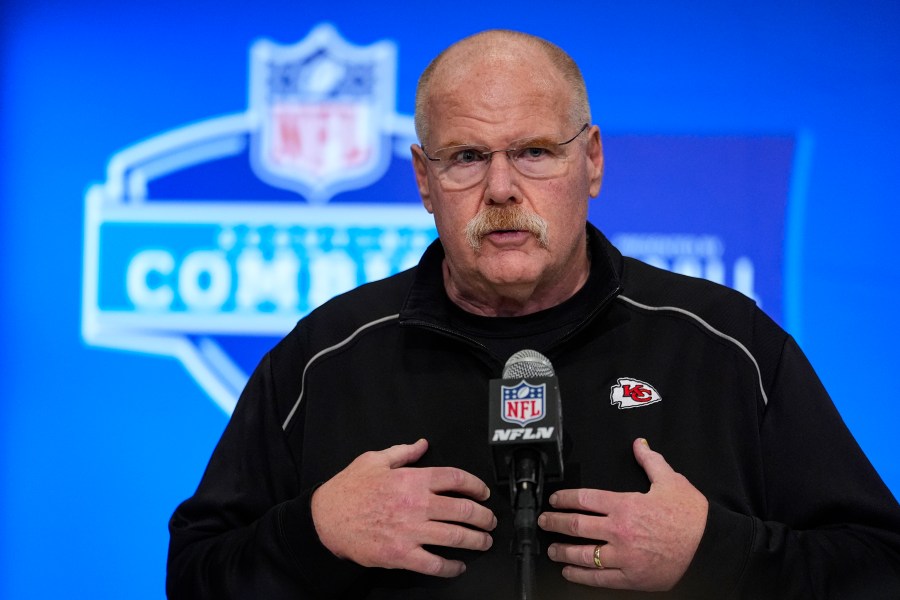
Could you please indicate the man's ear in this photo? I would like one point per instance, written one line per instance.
(595, 158)
(421, 170)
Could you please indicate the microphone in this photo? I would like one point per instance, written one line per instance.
(526, 414)
(526, 440)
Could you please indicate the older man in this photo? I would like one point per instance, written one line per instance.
(319, 489)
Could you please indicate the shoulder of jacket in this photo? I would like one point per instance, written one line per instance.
(330, 328)
(716, 310)
(644, 285)
(720, 310)
(352, 313)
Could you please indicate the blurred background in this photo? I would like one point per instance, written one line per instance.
(752, 144)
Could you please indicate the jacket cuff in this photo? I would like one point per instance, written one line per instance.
(324, 571)
(721, 557)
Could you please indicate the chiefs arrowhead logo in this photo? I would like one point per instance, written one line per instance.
(632, 393)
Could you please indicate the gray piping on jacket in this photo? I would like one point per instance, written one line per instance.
(709, 328)
(321, 353)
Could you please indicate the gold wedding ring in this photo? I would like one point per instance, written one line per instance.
(597, 562)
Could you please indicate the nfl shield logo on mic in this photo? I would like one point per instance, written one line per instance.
(523, 403)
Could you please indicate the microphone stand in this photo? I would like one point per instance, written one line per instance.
(526, 484)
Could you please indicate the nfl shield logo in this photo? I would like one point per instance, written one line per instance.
(523, 403)
(322, 109)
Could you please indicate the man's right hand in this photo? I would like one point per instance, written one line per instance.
(379, 513)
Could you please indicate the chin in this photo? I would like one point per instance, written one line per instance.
(508, 270)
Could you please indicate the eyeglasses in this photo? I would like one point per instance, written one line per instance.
(537, 158)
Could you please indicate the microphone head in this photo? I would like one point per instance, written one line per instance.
(527, 363)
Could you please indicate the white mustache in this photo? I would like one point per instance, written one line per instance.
(512, 218)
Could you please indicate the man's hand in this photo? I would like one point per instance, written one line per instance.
(379, 513)
(647, 540)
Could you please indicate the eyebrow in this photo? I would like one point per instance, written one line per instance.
(455, 144)
(544, 140)
(538, 140)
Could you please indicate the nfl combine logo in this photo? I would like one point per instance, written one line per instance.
(523, 403)
(187, 255)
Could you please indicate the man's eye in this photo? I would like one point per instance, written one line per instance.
(466, 156)
(534, 153)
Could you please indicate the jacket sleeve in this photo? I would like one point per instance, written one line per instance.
(831, 528)
(248, 532)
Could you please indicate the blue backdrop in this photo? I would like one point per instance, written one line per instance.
(789, 109)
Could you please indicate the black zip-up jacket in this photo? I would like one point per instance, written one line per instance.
(795, 508)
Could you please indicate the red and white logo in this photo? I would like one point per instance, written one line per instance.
(523, 403)
(633, 393)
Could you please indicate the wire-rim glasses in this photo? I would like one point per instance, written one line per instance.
(460, 167)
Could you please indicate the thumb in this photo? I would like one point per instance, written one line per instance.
(404, 454)
(652, 462)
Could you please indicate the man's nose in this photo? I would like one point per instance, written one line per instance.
(502, 180)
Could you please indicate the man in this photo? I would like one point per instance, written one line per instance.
(356, 464)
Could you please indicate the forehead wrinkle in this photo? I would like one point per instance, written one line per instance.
(478, 118)
(488, 84)
(491, 84)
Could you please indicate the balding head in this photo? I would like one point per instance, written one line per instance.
(497, 49)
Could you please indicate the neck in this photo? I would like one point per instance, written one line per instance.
(513, 299)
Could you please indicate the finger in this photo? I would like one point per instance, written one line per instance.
(404, 454)
(581, 555)
(607, 578)
(652, 462)
(451, 535)
(461, 510)
(591, 527)
(423, 561)
(584, 499)
(451, 479)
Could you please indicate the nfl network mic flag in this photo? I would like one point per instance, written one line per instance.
(525, 413)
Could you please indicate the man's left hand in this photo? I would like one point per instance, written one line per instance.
(646, 541)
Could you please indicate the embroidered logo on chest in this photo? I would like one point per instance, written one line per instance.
(633, 393)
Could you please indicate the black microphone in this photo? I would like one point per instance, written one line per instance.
(526, 441)
(526, 414)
